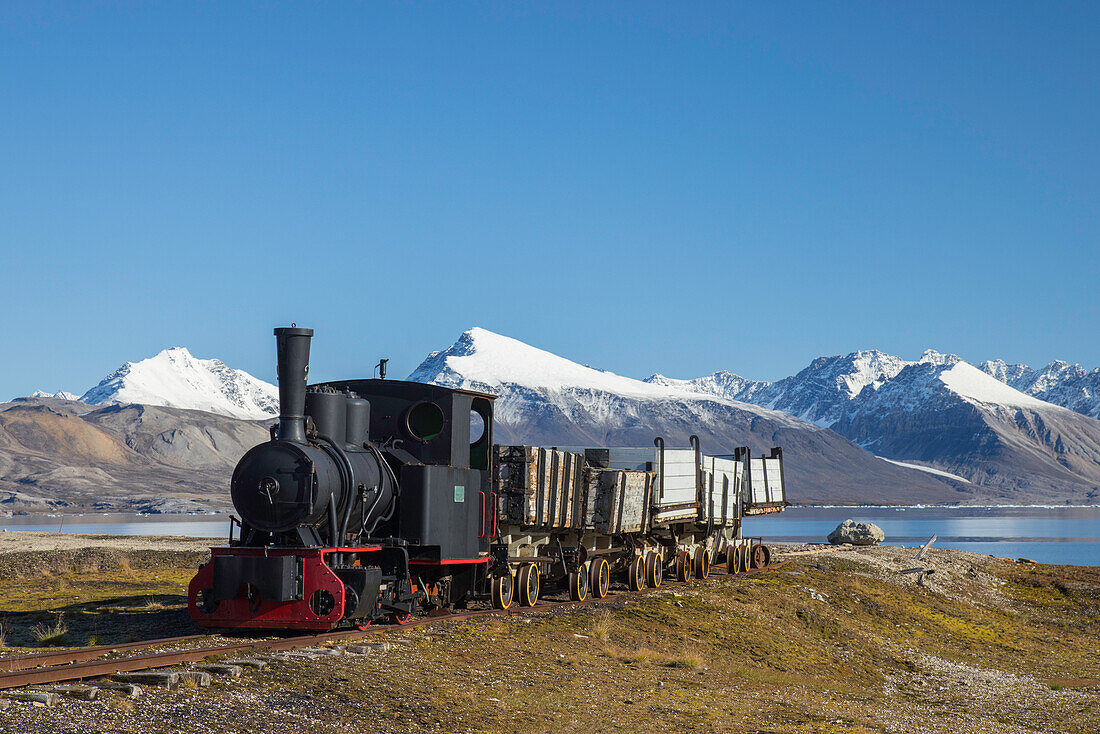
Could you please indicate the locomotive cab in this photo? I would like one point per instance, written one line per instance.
(441, 438)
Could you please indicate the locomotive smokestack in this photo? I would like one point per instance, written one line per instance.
(292, 346)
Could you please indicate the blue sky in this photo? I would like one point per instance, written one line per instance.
(674, 187)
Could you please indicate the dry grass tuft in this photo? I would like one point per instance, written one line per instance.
(47, 634)
(602, 624)
(125, 568)
(690, 660)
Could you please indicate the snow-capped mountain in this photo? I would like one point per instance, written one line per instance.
(549, 400)
(822, 391)
(958, 418)
(722, 384)
(60, 395)
(943, 413)
(1069, 385)
(177, 379)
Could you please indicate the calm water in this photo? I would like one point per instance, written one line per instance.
(194, 526)
(1044, 534)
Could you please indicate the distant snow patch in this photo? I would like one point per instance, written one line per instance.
(928, 469)
(970, 382)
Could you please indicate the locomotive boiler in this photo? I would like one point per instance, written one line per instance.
(376, 498)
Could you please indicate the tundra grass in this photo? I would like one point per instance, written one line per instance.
(802, 649)
(103, 607)
(823, 646)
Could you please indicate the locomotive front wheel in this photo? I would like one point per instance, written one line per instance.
(701, 563)
(502, 591)
(761, 556)
(635, 575)
(733, 560)
(654, 569)
(527, 579)
(746, 559)
(683, 566)
(397, 617)
(578, 584)
(599, 577)
(206, 602)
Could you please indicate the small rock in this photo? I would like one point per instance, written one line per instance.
(857, 533)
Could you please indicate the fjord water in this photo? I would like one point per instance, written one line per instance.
(1069, 535)
(190, 526)
(1045, 534)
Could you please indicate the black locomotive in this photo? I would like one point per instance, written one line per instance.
(368, 500)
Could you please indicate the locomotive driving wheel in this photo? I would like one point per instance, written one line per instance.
(527, 579)
(599, 577)
(578, 584)
(402, 618)
(502, 591)
(654, 569)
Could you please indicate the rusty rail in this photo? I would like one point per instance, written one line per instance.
(76, 655)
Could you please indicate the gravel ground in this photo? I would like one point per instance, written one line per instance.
(563, 671)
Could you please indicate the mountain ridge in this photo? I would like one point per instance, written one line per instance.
(175, 378)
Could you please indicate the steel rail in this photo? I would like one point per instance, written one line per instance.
(76, 655)
(95, 668)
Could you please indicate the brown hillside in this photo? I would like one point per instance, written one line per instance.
(37, 429)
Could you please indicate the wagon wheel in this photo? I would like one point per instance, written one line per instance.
(578, 584)
(733, 560)
(635, 575)
(759, 556)
(701, 565)
(599, 577)
(683, 566)
(502, 590)
(527, 579)
(654, 569)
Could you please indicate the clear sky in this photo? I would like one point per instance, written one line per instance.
(676, 187)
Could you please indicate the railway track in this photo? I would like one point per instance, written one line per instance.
(92, 662)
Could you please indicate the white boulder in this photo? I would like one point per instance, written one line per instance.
(857, 533)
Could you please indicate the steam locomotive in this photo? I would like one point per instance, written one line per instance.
(376, 498)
